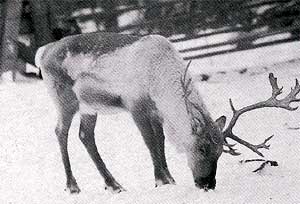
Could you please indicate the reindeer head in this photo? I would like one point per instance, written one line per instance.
(206, 150)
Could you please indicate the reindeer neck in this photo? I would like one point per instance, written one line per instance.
(178, 118)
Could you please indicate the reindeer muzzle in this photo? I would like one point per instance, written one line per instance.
(206, 183)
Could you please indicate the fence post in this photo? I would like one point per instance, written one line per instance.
(12, 13)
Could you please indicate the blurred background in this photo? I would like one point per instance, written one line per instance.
(223, 26)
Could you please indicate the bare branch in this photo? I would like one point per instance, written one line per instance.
(251, 160)
(271, 102)
(272, 163)
(265, 162)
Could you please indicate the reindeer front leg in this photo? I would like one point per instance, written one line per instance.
(145, 116)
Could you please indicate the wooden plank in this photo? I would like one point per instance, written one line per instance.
(260, 3)
(249, 37)
(286, 40)
(221, 31)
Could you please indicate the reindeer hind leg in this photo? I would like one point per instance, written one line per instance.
(67, 107)
(86, 134)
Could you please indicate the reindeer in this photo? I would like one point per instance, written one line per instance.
(104, 73)
(101, 73)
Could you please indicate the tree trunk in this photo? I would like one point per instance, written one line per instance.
(10, 35)
(111, 17)
(2, 16)
(41, 20)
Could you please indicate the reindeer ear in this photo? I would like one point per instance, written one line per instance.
(221, 121)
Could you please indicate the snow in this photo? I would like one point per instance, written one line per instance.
(31, 170)
(260, 57)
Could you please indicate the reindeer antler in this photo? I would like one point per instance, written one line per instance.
(271, 102)
(185, 82)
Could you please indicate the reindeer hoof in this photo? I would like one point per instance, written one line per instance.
(73, 189)
(160, 182)
(115, 188)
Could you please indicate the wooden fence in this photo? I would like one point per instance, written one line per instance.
(194, 21)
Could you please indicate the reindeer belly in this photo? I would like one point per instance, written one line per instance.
(94, 96)
(102, 104)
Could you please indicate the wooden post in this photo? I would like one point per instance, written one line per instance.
(41, 20)
(10, 35)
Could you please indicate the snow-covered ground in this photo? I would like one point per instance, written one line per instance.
(31, 170)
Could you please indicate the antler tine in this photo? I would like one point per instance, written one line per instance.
(185, 84)
(254, 148)
(275, 89)
(285, 102)
(294, 92)
(186, 69)
(232, 106)
(230, 150)
(271, 102)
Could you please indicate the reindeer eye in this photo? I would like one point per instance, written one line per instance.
(202, 150)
